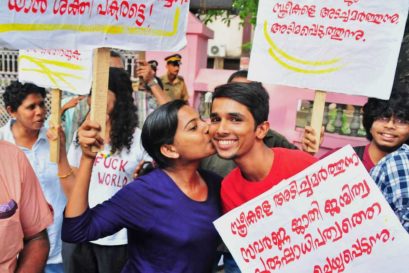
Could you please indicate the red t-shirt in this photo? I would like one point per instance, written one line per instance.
(236, 190)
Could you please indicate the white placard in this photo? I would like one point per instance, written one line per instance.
(78, 24)
(64, 69)
(331, 217)
(343, 46)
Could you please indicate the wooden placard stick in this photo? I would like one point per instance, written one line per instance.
(55, 120)
(140, 58)
(317, 116)
(100, 76)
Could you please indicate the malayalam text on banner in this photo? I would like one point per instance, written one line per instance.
(78, 24)
(64, 69)
(331, 217)
(343, 46)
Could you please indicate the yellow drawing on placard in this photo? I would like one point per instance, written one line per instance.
(44, 69)
(275, 52)
(108, 29)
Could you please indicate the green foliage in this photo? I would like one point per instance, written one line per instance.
(242, 8)
(210, 15)
(246, 9)
(247, 46)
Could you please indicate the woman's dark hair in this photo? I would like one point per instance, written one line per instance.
(123, 117)
(252, 95)
(397, 106)
(159, 129)
(17, 92)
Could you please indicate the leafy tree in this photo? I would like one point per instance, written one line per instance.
(245, 9)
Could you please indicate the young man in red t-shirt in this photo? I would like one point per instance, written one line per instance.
(238, 124)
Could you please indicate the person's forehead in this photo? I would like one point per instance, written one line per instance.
(227, 105)
(186, 114)
(32, 96)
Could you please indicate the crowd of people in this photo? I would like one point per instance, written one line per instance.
(105, 212)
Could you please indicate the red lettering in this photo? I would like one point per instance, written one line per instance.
(107, 178)
(113, 165)
(107, 162)
(124, 181)
(101, 179)
(122, 165)
(113, 180)
(97, 159)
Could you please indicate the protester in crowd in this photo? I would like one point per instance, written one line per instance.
(24, 214)
(168, 212)
(224, 166)
(174, 84)
(385, 123)
(113, 169)
(272, 139)
(238, 126)
(391, 174)
(25, 104)
(75, 108)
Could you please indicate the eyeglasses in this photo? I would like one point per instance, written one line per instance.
(397, 121)
(8, 209)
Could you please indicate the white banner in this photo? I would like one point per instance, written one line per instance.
(77, 24)
(331, 217)
(343, 46)
(64, 69)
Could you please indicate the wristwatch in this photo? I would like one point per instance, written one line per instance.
(153, 82)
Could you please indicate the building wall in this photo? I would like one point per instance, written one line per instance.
(229, 36)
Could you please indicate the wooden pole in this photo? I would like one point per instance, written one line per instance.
(56, 120)
(100, 76)
(317, 116)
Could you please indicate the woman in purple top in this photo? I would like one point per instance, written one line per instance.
(168, 212)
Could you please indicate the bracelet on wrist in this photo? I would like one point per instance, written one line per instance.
(65, 175)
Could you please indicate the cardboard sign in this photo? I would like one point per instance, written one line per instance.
(77, 24)
(331, 217)
(64, 69)
(343, 46)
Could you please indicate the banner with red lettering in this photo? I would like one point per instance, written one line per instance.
(343, 46)
(77, 24)
(331, 217)
(64, 69)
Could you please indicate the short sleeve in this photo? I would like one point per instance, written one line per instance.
(35, 213)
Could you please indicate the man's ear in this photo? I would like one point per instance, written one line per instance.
(169, 151)
(262, 129)
(10, 111)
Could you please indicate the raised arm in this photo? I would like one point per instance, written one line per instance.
(145, 71)
(88, 135)
(66, 173)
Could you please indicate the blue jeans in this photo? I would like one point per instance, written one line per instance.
(54, 268)
(230, 265)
